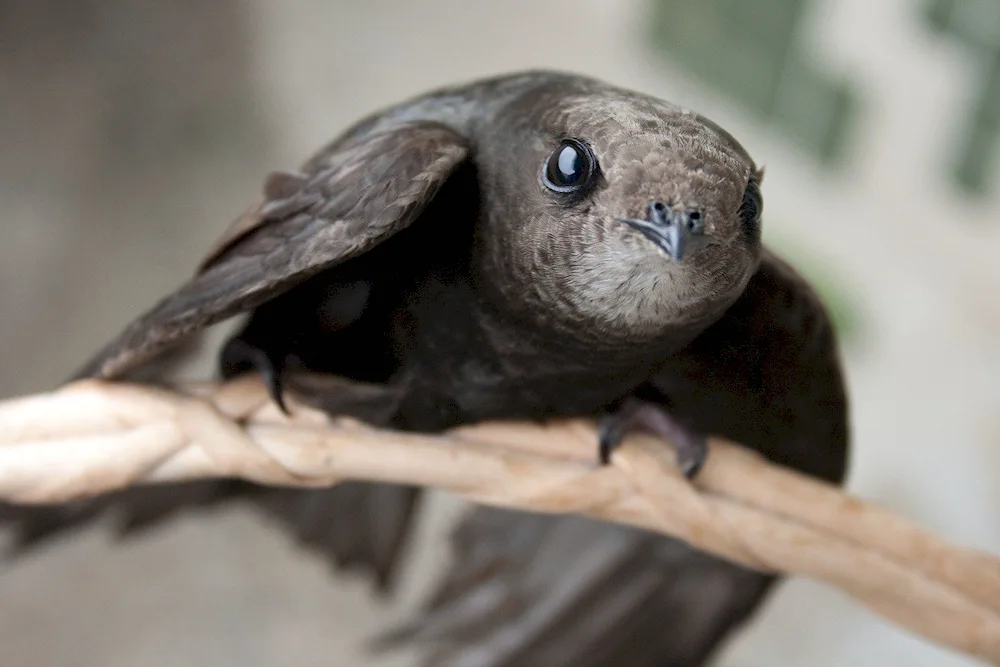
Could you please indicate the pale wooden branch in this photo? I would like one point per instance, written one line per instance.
(93, 437)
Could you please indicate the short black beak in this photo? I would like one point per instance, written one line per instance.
(670, 230)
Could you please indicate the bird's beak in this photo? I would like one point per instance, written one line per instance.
(671, 237)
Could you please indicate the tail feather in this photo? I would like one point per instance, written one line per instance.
(531, 590)
(359, 526)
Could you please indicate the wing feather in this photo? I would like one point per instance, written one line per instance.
(358, 194)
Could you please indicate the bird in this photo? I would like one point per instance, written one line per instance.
(533, 245)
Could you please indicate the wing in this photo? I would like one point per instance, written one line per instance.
(354, 526)
(532, 590)
(350, 198)
(767, 375)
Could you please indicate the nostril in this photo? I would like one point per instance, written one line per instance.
(659, 206)
(694, 221)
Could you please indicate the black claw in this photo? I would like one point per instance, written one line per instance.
(612, 428)
(609, 437)
(240, 356)
(272, 378)
(692, 461)
(692, 449)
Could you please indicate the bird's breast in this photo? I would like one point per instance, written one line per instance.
(467, 361)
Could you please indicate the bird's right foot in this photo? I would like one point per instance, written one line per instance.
(637, 415)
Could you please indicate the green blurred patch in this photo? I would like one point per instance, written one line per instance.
(975, 25)
(750, 51)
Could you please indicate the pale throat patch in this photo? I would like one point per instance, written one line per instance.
(614, 287)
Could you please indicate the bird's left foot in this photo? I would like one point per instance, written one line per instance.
(239, 355)
(637, 415)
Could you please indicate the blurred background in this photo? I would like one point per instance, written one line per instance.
(131, 133)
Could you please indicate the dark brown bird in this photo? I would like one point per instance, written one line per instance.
(526, 247)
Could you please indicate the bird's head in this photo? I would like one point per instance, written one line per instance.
(618, 210)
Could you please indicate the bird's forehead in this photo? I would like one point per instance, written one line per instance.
(625, 129)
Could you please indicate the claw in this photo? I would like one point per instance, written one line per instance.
(636, 415)
(239, 356)
(610, 435)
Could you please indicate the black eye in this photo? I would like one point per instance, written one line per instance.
(750, 209)
(570, 167)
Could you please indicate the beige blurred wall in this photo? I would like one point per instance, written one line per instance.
(132, 133)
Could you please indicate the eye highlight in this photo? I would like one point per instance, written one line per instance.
(570, 168)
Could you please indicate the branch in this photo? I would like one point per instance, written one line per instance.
(91, 437)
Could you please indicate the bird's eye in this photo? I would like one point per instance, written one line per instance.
(750, 209)
(571, 167)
